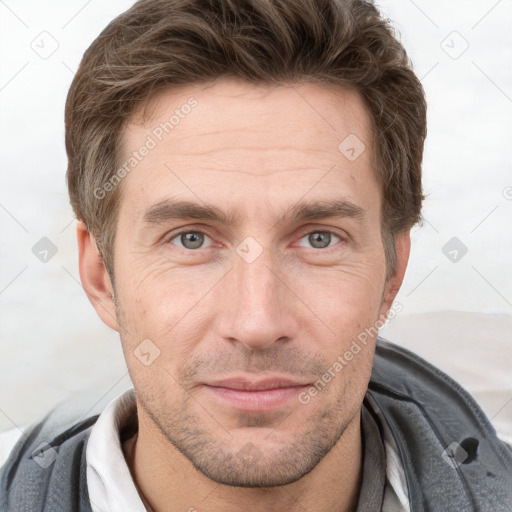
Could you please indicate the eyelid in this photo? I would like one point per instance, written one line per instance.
(324, 229)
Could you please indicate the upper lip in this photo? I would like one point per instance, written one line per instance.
(246, 384)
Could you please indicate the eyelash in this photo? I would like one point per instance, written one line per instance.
(331, 232)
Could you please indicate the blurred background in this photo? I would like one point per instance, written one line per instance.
(457, 295)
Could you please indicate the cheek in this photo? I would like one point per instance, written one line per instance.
(167, 305)
(158, 289)
(345, 296)
(347, 301)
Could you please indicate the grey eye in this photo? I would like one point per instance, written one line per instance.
(190, 239)
(319, 239)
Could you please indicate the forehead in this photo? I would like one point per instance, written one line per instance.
(228, 107)
(233, 134)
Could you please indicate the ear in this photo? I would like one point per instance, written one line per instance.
(94, 276)
(403, 249)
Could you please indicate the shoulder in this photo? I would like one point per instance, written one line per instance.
(59, 441)
(404, 377)
(8, 438)
(447, 445)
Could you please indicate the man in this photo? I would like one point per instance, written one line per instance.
(245, 176)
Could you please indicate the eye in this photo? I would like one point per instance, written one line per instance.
(320, 239)
(190, 239)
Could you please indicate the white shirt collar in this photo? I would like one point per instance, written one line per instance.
(110, 484)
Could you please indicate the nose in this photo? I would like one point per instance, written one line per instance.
(257, 305)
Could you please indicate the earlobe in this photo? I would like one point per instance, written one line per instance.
(94, 276)
(403, 248)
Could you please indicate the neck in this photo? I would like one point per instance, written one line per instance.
(167, 481)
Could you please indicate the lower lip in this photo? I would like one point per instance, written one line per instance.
(256, 400)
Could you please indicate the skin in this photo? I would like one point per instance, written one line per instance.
(290, 312)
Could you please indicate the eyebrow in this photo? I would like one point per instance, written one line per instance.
(168, 209)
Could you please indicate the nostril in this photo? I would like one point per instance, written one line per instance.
(470, 445)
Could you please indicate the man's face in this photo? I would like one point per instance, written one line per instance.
(265, 298)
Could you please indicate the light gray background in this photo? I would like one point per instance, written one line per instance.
(457, 314)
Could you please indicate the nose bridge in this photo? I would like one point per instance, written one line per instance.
(257, 311)
(257, 282)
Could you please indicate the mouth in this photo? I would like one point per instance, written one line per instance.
(255, 396)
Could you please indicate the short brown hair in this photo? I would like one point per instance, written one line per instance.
(161, 44)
